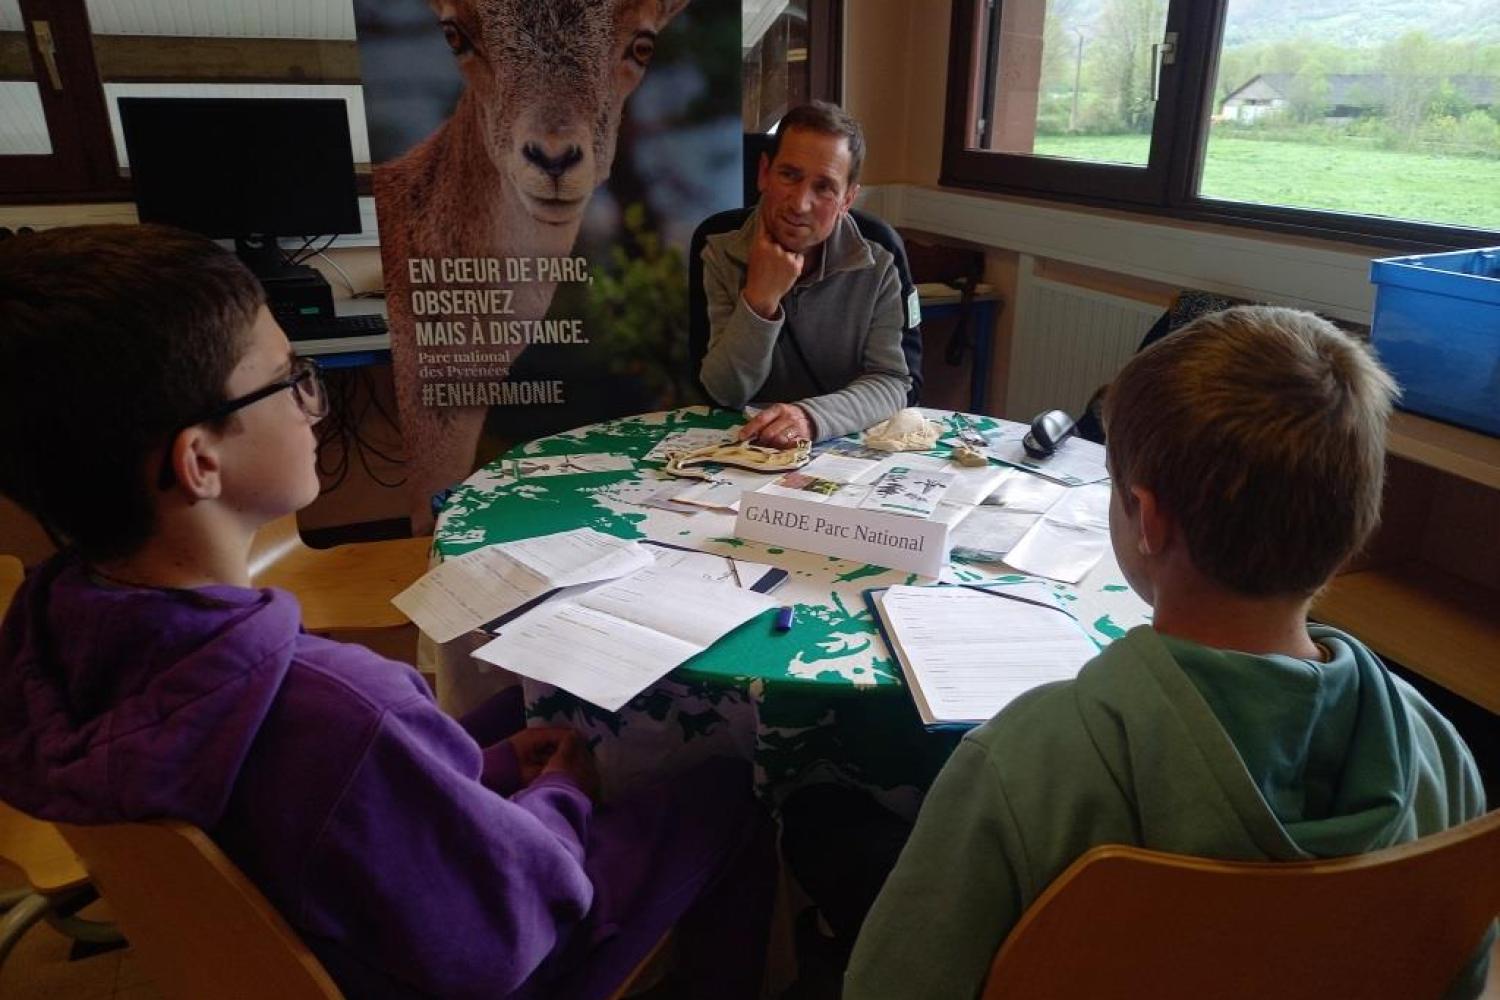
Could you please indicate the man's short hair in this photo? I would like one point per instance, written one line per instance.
(1261, 431)
(829, 119)
(112, 338)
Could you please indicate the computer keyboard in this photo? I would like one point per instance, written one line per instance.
(364, 325)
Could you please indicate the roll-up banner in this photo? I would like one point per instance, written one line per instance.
(539, 167)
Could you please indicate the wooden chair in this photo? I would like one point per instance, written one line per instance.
(56, 884)
(199, 926)
(341, 589)
(1128, 922)
(11, 574)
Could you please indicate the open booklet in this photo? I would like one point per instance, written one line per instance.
(607, 644)
(967, 652)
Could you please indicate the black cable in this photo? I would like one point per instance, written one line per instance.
(335, 427)
(375, 399)
(362, 445)
(347, 412)
(296, 255)
(308, 255)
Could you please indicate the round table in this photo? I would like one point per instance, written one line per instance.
(823, 701)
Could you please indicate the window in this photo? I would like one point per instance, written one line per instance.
(791, 56)
(64, 65)
(1369, 119)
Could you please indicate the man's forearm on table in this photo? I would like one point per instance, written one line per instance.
(869, 399)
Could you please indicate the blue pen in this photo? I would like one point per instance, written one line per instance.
(784, 619)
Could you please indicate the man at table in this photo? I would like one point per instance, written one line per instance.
(805, 315)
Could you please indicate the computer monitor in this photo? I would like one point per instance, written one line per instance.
(251, 169)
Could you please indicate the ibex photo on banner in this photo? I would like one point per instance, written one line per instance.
(539, 168)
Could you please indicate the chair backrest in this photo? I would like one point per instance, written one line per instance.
(1124, 921)
(198, 925)
(273, 542)
(872, 229)
(345, 588)
(35, 847)
(11, 575)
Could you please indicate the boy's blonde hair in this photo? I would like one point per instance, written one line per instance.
(1261, 431)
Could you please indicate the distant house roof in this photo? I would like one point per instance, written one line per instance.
(1362, 90)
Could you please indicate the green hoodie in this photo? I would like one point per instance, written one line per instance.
(1170, 745)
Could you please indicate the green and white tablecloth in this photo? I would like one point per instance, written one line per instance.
(822, 701)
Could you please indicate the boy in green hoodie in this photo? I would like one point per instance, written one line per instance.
(1247, 454)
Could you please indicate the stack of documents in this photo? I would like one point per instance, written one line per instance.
(967, 652)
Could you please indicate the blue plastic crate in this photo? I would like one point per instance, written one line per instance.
(1437, 329)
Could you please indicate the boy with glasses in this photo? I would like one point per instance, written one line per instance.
(153, 416)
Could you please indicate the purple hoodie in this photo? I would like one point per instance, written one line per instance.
(324, 771)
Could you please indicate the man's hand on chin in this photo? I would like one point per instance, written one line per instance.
(780, 425)
(769, 275)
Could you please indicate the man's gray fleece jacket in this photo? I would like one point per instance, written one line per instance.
(846, 316)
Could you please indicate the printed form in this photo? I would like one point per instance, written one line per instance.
(966, 653)
(614, 641)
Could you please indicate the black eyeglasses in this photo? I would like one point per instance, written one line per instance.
(305, 381)
(308, 391)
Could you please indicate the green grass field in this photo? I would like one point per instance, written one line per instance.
(1454, 190)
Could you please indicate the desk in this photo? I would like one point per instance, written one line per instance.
(347, 352)
(350, 352)
(825, 700)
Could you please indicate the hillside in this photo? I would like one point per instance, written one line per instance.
(1361, 24)
(1349, 23)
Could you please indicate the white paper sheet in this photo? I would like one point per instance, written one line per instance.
(632, 491)
(967, 654)
(594, 655)
(463, 593)
(1021, 491)
(905, 490)
(843, 468)
(970, 484)
(722, 491)
(1069, 539)
(665, 497)
(1074, 463)
(540, 467)
(988, 533)
(614, 641)
(741, 573)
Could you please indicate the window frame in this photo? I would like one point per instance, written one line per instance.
(825, 52)
(1167, 185)
(81, 165)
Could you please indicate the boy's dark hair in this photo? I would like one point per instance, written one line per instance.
(829, 119)
(112, 339)
(1261, 431)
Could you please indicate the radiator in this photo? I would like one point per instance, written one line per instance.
(1068, 341)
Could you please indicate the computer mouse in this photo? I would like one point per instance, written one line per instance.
(1048, 431)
